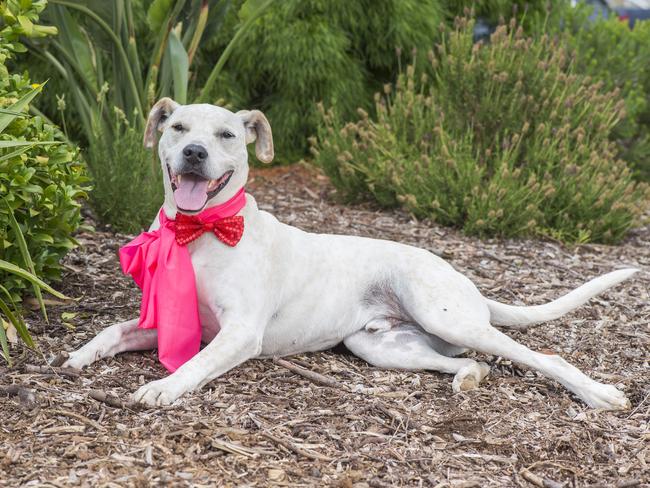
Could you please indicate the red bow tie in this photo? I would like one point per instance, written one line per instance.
(189, 227)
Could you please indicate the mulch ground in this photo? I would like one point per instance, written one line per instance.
(264, 424)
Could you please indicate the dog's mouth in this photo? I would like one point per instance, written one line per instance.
(192, 190)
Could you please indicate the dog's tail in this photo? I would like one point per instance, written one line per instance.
(521, 317)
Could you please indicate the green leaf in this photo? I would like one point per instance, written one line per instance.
(19, 48)
(12, 112)
(157, 13)
(26, 24)
(249, 8)
(179, 67)
(201, 22)
(40, 237)
(135, 93)
(30, 188)
(15, 153)
(45, 30)
(6, 144)
(15, 318)
(27, 258)
(3, 342)
(18, 271)
(75, 43)
(19, 106)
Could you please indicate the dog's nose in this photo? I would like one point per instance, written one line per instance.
(194, 154)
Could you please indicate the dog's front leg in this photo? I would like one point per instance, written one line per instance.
(122, 337)
(235, 343)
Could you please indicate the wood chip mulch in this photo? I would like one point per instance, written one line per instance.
(329, 419)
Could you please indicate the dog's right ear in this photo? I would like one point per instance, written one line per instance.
(158, 114)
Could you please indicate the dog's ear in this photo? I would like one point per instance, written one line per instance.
(158, 114)
(258, 129)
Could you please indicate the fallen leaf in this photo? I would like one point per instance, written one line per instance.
(12, 333)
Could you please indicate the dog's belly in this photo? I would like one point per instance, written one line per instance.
(285, 337)
(320, 316)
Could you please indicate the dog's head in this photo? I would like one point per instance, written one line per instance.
(203, 151)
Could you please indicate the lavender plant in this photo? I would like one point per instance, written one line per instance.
(502, 138)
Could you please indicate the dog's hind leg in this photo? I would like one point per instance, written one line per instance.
(122, 337)
(485, 338)
(409, 347)
(459, 315)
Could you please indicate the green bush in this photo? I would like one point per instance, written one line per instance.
(42, 181)
(494, 11)
(606, 49)
(505, 140)
(305, 51)
(128, 192)
(611, 52)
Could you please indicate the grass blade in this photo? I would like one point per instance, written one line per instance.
(74, 41)
(27, 258)
(12, 154)
(17, 270)
(3, 343)
(179, 64)
(201, 22)
(16, 319)
(132, 48)
(151, 81)
(6, 144)
(11, 112)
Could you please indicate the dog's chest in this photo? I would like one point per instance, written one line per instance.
(221, 274)
(209, 323)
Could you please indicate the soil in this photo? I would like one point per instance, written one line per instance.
(338, 421)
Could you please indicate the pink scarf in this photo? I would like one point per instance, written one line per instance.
(161, 266)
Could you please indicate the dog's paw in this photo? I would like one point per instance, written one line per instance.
(156, 393)
(469, 377)
(606, 397)
(80, 358)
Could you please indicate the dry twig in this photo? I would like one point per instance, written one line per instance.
(112, 400)
(310, 375)
(25, 395)
(72, 373)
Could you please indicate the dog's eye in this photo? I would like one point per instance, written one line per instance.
(178, 127)
(226, 134)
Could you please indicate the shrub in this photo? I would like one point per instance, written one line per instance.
(504, 140)
(611, 52)
(604, 48)
(128, 188)
(305, 51)
(42, 180)
(494, 11)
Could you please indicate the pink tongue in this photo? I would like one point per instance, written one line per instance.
(191, 193)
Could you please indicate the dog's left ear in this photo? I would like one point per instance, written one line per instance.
(258, 129)
(161, 110)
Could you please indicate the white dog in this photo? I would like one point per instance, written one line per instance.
(283, 291)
